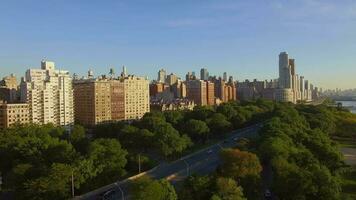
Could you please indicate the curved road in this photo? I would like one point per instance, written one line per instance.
(201, 162)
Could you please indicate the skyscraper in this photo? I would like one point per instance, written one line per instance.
(49, 94)
(225, 77)
(204, 74)
(285, 71)
(171, 79)
(161, 76)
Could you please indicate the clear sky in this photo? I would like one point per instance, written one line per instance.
(242, 37)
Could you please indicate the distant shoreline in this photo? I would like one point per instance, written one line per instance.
(349, 104)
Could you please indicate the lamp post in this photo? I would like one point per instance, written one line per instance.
(139, 163)
(0, 182)
(122, 192)
(187, 164)
(72, 184)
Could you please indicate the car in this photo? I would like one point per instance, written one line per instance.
(209, 151)
(268, 194)
(109, 195)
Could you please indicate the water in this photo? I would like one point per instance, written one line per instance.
(349, 104)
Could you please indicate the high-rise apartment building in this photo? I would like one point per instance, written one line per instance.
(289, 80)
(162, 74)
(204, 74)
(102, 99)
(197, 91)
(179, 89)
(49, 94)
(190, 76)
(285, 71)
(98, 100)
(14, 113)
(171, 79)
(156, 88)
(225, 91)
(210, 90)
(137, 97)
(8, 89)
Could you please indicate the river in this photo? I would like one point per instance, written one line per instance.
(349, 104)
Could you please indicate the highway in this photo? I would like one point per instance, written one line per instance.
(201, 162)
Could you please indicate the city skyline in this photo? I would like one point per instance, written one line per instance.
(233, 36)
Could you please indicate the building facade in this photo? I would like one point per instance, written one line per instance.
(137, 97)
(9, 89)
(210, 93)
(204, 74)
(49, 94)
(162, 74)
(197, 92)
(14, 113)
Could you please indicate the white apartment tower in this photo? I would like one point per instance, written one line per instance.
(49, 94)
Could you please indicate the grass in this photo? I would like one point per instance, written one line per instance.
(348, 183)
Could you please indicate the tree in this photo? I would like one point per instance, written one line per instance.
(174, 117)
(108, 130)
(78, 139)
(200, 113)
(227, 189)
(197, 188)
(168, 141)
(77, 134)
(227, 110)
(108, 158)
(197, 129)
(151, 121)
(238, 120)
(148, 189)
(238, 164)
(54, 185)
(218, 123)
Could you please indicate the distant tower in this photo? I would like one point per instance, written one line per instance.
(204, 74)
(231, 79)
(90, 74)
(47, 65)
(112, 72)
(124, 71)
(161, 76)
(285, 71)
(225, 76)
(75, 76)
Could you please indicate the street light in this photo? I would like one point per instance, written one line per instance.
(72, 184)
(0, 182)
(122, 192)
(187, 164)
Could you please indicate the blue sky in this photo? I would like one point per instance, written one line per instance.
(241, 37)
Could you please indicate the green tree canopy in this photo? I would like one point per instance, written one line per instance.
(148, 189)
